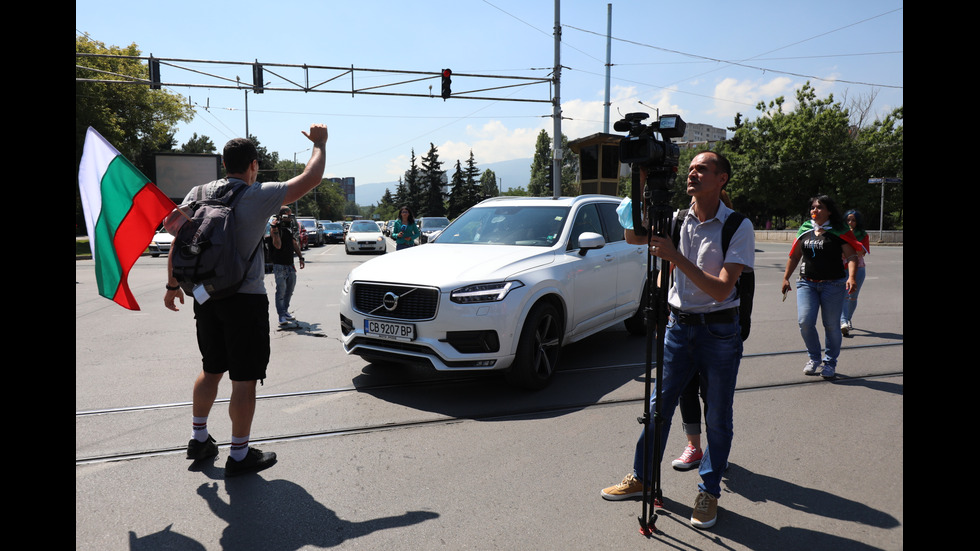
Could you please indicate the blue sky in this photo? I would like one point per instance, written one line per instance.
(705, 61)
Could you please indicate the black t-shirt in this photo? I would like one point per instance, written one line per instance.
(284, 254)
(823, 256)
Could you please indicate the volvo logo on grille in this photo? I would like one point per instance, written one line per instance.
(390, 301)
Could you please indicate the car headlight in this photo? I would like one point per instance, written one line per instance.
(347, 285)
(483, 292)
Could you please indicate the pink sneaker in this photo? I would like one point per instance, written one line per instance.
(688, 460)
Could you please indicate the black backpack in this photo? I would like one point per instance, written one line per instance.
(745, 286)
(205, 252)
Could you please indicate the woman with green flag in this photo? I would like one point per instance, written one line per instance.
(825, 251)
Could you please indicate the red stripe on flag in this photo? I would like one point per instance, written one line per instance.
(135, 232)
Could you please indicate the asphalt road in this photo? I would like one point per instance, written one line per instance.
(380, 458)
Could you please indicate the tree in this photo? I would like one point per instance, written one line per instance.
(413, 187)
(197, 144)
(542, 161)
(136, 120)
(268, 163)
(883, 157)
(458, 200)
(432, 182)
(538, 185)
(488, 184)
(781, 159)
(472, 176)
(387, 208)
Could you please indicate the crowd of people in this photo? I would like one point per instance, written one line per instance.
(702, 339)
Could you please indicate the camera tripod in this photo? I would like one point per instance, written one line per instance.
(659, 213)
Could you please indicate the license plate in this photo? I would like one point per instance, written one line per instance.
(389, 330)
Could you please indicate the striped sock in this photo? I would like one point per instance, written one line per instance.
(199, 429)
(239, 447)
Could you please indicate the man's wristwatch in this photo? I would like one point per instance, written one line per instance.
(174, 288)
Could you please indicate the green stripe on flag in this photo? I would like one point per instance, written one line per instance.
(120, 184)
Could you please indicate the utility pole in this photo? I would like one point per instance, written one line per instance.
(605, 106)
(556, 162)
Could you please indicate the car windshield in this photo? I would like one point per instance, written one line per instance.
(308, 224)
(333, 227)
(531, 226)
(364, 227)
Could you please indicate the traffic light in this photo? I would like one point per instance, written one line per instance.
(154, 73)
(257, 86)
(446, 83)
(549, 179)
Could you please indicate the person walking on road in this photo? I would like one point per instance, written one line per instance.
(233, 332)
(855, 221)
(824, 250)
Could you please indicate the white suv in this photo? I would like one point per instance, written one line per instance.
(502, 288)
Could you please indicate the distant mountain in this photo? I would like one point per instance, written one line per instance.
(510, 174)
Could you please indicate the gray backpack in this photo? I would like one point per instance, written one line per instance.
(205, 252)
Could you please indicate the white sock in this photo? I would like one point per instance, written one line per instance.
(199, 429)
(239, 447)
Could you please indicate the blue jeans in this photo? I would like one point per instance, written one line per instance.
(851, 300)
(713, 353)
(827, 297)
(285, 283)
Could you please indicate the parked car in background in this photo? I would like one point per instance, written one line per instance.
(504, 287)
(313, 234)
(364, 236)
(431, 225)
(161, 243)
(333, 232)
(389, 226)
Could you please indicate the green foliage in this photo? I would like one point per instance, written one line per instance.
(138, 121)
(488, 184)
(538, 184)
(781, 159)
(195, 144)
(434, 199)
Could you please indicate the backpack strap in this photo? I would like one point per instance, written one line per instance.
(732, 223)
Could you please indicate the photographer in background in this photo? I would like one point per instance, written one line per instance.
(702, 337)
(282, 245)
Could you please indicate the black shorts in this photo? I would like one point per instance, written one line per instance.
(233, 336)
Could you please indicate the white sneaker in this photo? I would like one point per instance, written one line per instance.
(811, 368)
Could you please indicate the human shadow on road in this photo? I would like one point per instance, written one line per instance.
(751, 533)
(279, 515)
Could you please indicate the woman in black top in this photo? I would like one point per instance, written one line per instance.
(824, 280)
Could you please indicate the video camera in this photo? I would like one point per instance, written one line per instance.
(657, 158)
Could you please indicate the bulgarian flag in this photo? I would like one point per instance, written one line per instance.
(843, 232)
(122, 211)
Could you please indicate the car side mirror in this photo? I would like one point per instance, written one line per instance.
(589, 240)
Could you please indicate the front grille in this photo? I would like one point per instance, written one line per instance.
(413, 303)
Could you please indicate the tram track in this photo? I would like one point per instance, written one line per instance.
(554, 408)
